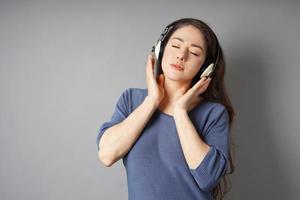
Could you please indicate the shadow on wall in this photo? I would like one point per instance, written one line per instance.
(259, 172)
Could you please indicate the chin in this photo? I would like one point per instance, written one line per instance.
(174, 77)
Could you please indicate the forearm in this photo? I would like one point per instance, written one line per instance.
(118, 139)
(194, 148)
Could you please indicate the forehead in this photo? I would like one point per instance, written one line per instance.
(189, 34)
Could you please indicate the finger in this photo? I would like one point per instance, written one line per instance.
(150, 71)
(206, 82)
(149, 62)
(203, 88)
(199, 84)
(147, 66)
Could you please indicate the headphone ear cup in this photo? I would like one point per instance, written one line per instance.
(203, 67)
(158, 48)
(160, 56)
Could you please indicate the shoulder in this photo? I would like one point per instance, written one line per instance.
(214, 108)
(209, 112)
(134, 96)
(134, 93)
(208, 115)
(216, 114)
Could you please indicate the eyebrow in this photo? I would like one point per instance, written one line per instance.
(194, 45)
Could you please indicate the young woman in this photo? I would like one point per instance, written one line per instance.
(174, 136)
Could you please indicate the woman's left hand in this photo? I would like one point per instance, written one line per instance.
(190, 97)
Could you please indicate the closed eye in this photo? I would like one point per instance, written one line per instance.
(191, 52)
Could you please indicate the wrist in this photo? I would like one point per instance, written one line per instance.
(152, 102)
(179, 111)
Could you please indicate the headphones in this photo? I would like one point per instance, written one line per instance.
(158, 49)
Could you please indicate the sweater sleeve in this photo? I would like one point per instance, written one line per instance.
(121, 112)
(209, 172)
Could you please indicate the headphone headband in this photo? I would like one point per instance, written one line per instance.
(165, 33)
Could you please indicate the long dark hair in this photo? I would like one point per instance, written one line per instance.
(216, 91)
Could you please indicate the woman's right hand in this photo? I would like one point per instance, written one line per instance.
(155, 87)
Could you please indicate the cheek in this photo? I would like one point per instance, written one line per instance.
(196, 66)
(166, 58)
(200, 62)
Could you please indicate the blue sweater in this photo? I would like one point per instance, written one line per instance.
(156, 168)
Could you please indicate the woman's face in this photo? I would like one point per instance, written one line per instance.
(186, 48)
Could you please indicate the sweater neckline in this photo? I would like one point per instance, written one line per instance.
(171, 116)
(165, 114)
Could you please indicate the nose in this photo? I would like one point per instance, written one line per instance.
(181, 55)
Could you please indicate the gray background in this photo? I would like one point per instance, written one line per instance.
(64, 65)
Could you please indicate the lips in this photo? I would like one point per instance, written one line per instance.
(177, 67)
